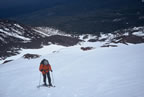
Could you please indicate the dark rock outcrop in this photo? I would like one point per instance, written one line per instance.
(15, 36)
(31, 56)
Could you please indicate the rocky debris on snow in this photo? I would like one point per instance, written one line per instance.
(7, 61)
(132, 35)
(129, 39)
(50, 31)
(31, 56)
(86, 48)
(109, 45)
(7, 52)
(92, 40)
(63, 40)
(102, 40)
(15, 35)
(85, 37)
(55, 52)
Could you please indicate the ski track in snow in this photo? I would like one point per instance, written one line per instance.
(101, 72)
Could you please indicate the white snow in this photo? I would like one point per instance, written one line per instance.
(6, 29)
(87, 37)
(101, 72)
(21, 37)
(50, 31)
(126, 34)
(43, 51)
(138, 33)
(1, 39)
(17, 25)
(15, 35)
(18, 32)
(40, 32)
(103, 36)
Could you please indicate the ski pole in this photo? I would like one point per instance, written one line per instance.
(40, 79)
(52, 78)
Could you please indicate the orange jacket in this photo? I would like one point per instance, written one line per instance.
(45, 68)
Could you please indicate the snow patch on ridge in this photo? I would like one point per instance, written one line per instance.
(138, 33)
(50, 31)
(17, 25)
(15, 35)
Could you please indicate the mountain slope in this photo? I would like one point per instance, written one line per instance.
(101, 72)
(108, 65)
(15, 36)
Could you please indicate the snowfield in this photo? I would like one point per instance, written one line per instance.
(100, 72)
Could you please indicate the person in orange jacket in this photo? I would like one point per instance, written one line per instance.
(45, 68)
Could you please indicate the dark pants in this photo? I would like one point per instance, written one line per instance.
(44, 78)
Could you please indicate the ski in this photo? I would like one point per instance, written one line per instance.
(50, 86)
(45, 86)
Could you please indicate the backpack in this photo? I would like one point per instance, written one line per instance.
(44, 62)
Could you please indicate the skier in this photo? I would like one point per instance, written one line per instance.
(45, 68)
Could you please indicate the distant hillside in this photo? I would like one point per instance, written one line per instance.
(88, 16)
(15, 36)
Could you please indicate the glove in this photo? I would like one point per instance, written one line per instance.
(41, 70)
(51, 70)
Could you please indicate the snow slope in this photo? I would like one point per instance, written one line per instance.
(101, 72)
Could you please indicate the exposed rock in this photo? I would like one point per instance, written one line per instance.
(108, 45)
(86, 48)
(15, 36)
(92, 40)
(85, 37)
(103, 39)
(63, 40)
(31, 56)
(7, 61)
(130, 39)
